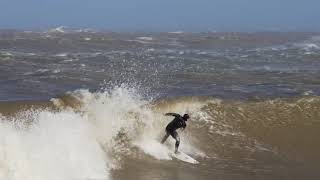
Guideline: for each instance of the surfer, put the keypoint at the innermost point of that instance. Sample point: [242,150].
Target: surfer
[178,122]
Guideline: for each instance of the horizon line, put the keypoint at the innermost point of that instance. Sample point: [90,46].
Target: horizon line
[69,29]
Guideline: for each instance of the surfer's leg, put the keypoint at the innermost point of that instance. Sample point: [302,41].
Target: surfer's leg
[165,137]
[175,135]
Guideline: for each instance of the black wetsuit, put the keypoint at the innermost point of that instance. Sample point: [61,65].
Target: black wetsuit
[176,123]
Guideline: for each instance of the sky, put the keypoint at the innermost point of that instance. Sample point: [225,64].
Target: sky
[163,15]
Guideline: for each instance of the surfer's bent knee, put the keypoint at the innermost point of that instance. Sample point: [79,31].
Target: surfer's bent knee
[177,143]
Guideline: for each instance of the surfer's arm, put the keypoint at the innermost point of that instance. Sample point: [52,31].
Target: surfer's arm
[172,114]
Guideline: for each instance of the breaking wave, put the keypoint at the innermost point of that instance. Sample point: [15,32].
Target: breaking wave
[85,135]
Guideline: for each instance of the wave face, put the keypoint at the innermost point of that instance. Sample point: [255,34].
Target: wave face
[114,134]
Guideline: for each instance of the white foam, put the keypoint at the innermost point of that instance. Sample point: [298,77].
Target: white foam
[57,102]
[145,38]
[309,53]
[139,41]
[154,149]
[42,70]
[181,52]
[60,29]
[311,45]
[202,53]
[57,146]
[164,151]
[176,32]
[70,60]
[308,46]
[87,30]
[307,93]
[150,50]
[6,53]
[56,71]
[61,55]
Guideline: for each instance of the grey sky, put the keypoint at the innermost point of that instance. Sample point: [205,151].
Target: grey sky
[163,15]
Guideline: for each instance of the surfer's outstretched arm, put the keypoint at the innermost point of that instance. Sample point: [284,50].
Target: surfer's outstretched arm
[172,114]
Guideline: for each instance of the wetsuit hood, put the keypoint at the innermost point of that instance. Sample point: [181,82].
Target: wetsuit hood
[186,117]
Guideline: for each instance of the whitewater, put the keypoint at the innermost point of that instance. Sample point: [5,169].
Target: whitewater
[83,141]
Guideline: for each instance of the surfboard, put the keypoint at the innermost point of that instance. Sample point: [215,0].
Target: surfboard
[163,152]
[184,157]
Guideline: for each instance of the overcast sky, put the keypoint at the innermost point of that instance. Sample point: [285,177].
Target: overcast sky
[163,15]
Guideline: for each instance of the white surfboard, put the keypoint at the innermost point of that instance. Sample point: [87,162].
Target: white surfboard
[184,157]
[162,152]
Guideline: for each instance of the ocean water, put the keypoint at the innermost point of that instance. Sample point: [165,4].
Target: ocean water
[84,104]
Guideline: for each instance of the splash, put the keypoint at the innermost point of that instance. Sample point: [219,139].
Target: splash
[46,145]
[85,137]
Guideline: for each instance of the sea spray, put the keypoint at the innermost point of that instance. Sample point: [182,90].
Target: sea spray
[57,145]
[86,136]
[123,113]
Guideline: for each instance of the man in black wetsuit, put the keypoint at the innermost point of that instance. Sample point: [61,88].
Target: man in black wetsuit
[176,123]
